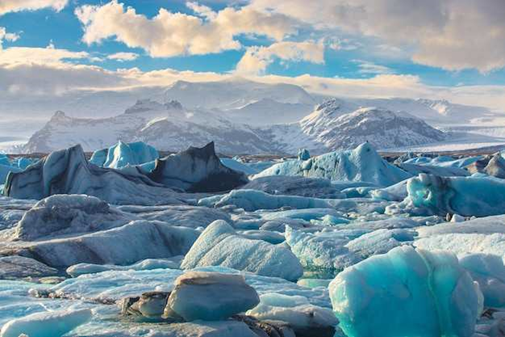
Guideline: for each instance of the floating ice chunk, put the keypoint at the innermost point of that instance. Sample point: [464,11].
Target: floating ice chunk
[362,164]
[337,250]
[152,239]
[68,214]
[46,324]
[251,200]
[239,166]
[295,185]
[19,267]
[211,296]
[467,196]
[489,272]
[5,170]
[487,225]
[303,154]
[178,215]
[295,310]
[149,264]
[396,192]
[435,170]
[406,292]
[220,245]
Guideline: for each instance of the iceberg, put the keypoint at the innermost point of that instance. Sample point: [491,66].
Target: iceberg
[466,196]
[220,245]
[152,240]
[124,154]
[196,170]
[210,296]
[68,214]
[68,172]
[363,164]
[406,292]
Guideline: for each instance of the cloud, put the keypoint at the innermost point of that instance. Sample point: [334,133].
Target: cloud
[121,57]
[449,34]
[257,59]
[4,36]
[24,55]
[7,6]
[170,34]
[370,68]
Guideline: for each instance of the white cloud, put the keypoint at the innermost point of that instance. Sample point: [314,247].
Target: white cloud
[4,36]
[171,34]
[257,59]
[121,57]
[450,34]
[24,55]
[7,6]
[370,68]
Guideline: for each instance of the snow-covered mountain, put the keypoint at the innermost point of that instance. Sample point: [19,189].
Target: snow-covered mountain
[166,126]
[335,124]
[330,126]
[234,94]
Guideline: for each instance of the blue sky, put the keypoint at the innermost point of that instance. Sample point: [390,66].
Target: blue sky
[432,44]
[63,29]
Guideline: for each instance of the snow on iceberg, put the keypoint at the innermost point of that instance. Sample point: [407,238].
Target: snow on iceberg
[466,196]
[220,245]
[46,324]
[210,296]
[406,292]
[124,154]
[196,170]
[362,164]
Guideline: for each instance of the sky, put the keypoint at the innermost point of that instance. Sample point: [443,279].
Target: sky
[441,49]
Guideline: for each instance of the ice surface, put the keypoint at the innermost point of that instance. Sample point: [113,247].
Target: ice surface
[406,292]
[467,196]
[220,245]
[362,164]
[211,296]
[46,324]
